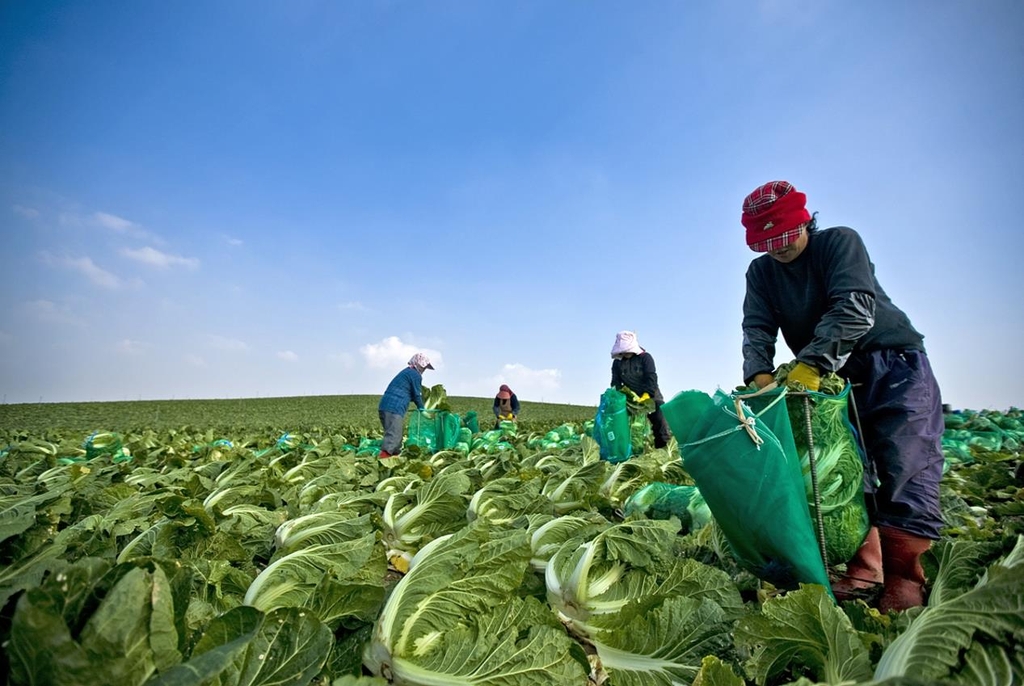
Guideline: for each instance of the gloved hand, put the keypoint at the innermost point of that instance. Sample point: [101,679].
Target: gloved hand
[805,374]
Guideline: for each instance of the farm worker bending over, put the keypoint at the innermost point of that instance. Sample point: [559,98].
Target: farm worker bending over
[819,288]
[633,367]
[403,389]
[506,405]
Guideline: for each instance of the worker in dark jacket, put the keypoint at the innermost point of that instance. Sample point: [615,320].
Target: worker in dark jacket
[506,406]
[633,367]
[818,288]
[405,388]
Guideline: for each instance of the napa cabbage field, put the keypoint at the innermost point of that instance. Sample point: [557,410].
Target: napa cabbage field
[232,549]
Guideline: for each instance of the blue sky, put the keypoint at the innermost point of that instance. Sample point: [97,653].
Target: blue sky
[240,199]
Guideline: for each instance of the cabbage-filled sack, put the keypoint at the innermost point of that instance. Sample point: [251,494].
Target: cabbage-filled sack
[839,464]
[422,431]
[747,469]
[659,500]
[433,430]
[611,427]
[447,429]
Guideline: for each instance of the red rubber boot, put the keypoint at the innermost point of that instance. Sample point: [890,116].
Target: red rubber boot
[904,577]
[863,572]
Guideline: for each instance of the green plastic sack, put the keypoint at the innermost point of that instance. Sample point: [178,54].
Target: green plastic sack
[422,431]
[640,433]
[471,422]
[433,430]
[106,443]
[659,500]
[508,428]
[748,471]
[611,427]
[643,501]
[448,426]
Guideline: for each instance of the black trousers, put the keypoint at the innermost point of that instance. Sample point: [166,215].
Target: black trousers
[659,426]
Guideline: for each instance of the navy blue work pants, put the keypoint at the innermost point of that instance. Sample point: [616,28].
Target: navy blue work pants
[900,409]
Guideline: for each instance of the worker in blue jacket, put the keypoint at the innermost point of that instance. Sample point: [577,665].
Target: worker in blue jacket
[403,389]
[818,287]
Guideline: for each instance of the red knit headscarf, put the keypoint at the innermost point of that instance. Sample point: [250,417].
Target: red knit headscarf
[772,210]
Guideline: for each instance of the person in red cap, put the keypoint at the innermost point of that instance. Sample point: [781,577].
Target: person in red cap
[506,406]
[818,287]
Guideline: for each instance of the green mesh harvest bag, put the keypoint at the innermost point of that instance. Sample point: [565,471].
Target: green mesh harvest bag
[433,430]
[422,431]
[448,426]
[747,468]
[611,427]
[839,467]
[471,422]
[659,500]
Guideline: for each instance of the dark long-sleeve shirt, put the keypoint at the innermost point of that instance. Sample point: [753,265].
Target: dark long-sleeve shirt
[827,303]
[639,374]
[403,389]
[513,405]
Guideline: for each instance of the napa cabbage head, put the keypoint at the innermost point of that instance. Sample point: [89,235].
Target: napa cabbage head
[456,618]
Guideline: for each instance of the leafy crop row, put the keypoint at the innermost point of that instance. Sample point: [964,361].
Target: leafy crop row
[183,556]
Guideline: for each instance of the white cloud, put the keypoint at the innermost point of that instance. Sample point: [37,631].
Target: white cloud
[86,267]
[113,222]
[195,361]
[287,355]
[156,258]
[26,212]
[50,313]
[228,344]
[130,347]
[234,242]
[392,352]
[352,306]
[526,382]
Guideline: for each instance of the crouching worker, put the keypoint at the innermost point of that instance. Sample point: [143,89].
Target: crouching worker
[405,388]
[819,288]
[506,406]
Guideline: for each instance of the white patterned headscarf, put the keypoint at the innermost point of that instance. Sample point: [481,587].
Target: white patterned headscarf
[420,362]
[625,342]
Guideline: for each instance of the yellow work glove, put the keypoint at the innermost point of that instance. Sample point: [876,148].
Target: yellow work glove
[805,374]
[644,398]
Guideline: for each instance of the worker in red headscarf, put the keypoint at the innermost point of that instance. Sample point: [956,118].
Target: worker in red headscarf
[818,287]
